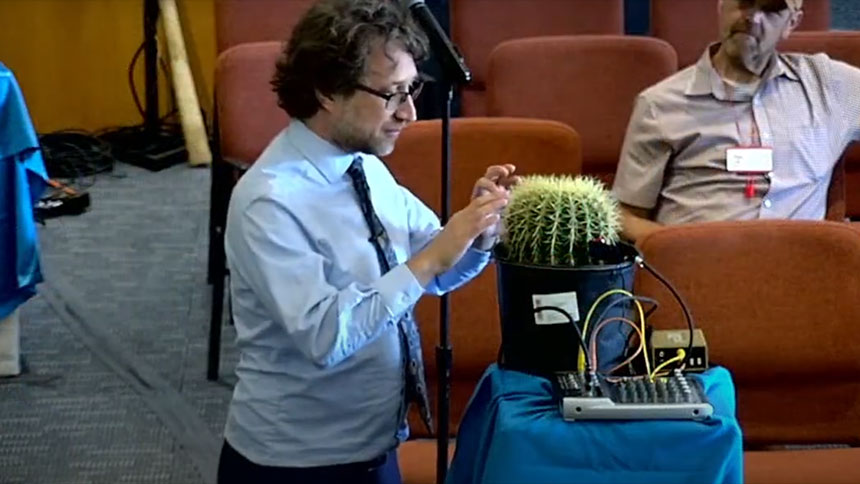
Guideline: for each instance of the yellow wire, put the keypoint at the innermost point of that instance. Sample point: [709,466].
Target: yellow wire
[678,357]
[581,359]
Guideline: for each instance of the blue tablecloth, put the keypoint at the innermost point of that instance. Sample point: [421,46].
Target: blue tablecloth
[22,181]
[512,432]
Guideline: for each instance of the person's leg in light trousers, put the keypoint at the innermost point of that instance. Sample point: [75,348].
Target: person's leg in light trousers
[10,340]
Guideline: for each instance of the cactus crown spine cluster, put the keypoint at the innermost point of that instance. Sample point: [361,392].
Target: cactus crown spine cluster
[551,220]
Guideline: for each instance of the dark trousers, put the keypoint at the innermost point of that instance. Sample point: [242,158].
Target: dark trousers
[234,468]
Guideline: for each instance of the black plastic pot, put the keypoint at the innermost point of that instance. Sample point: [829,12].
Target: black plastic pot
[545,343]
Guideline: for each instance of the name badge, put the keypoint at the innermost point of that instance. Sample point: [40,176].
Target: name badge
[749,160]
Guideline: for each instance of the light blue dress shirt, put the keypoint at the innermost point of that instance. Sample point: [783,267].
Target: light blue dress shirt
[321,375]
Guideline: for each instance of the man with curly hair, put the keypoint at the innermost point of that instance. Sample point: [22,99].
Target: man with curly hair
[328,255]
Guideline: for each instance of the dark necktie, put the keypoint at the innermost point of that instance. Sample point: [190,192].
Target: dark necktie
[416,388]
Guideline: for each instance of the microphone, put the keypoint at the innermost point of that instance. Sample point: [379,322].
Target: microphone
[453,65]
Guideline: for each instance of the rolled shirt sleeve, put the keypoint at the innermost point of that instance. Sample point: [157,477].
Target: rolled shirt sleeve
[290,274]
[424,226]
[291,278]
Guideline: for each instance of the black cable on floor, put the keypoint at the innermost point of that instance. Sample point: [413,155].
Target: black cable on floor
[75,154]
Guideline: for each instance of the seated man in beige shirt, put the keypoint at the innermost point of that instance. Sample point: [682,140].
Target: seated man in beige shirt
[686,155]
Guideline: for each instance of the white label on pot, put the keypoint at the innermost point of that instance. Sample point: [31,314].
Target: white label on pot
[563,300]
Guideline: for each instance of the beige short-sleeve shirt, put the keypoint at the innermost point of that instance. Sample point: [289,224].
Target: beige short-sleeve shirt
[807,108]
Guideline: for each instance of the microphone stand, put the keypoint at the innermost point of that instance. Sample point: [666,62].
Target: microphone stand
[444,352]
[453,71]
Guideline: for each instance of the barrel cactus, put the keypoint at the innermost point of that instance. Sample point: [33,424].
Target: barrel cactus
[553,221]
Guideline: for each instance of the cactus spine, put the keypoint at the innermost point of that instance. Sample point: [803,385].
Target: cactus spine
[551,220]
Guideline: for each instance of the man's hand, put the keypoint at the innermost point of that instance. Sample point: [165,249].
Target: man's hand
[498,179]
[636,223]
[458,234]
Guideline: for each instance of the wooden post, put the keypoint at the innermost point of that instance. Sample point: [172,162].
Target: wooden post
[193,128]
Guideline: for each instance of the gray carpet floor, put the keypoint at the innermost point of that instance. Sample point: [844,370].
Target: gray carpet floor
[115,344]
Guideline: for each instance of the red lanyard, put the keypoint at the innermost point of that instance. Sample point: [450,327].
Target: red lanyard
[749,189]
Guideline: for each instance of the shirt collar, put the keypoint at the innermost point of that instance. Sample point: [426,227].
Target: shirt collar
[706,79]
[331,161]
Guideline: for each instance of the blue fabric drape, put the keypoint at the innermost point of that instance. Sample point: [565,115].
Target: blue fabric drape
[22,181]
[513,432]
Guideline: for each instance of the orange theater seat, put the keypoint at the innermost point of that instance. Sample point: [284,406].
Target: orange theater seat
[247,116]
[241,21]
[776,300]
[690,25]
[417,459]
[818,466]
[587,82]
[478,26]
[248,112]
[535,146]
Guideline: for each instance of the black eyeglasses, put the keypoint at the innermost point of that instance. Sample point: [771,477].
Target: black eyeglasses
[394,100]
[766,6]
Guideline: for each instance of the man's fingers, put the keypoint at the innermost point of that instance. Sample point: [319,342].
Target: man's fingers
[510,181]
[495,206]
[489,208]
[496,172]
[492,198]
[484,223]
[497,177]
[487,185]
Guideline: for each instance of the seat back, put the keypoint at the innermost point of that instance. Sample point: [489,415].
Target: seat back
[691,25]
[478,26]
[247,108]
[534,146]
[587,82]
[843,46]
[241,21]
[777,303]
